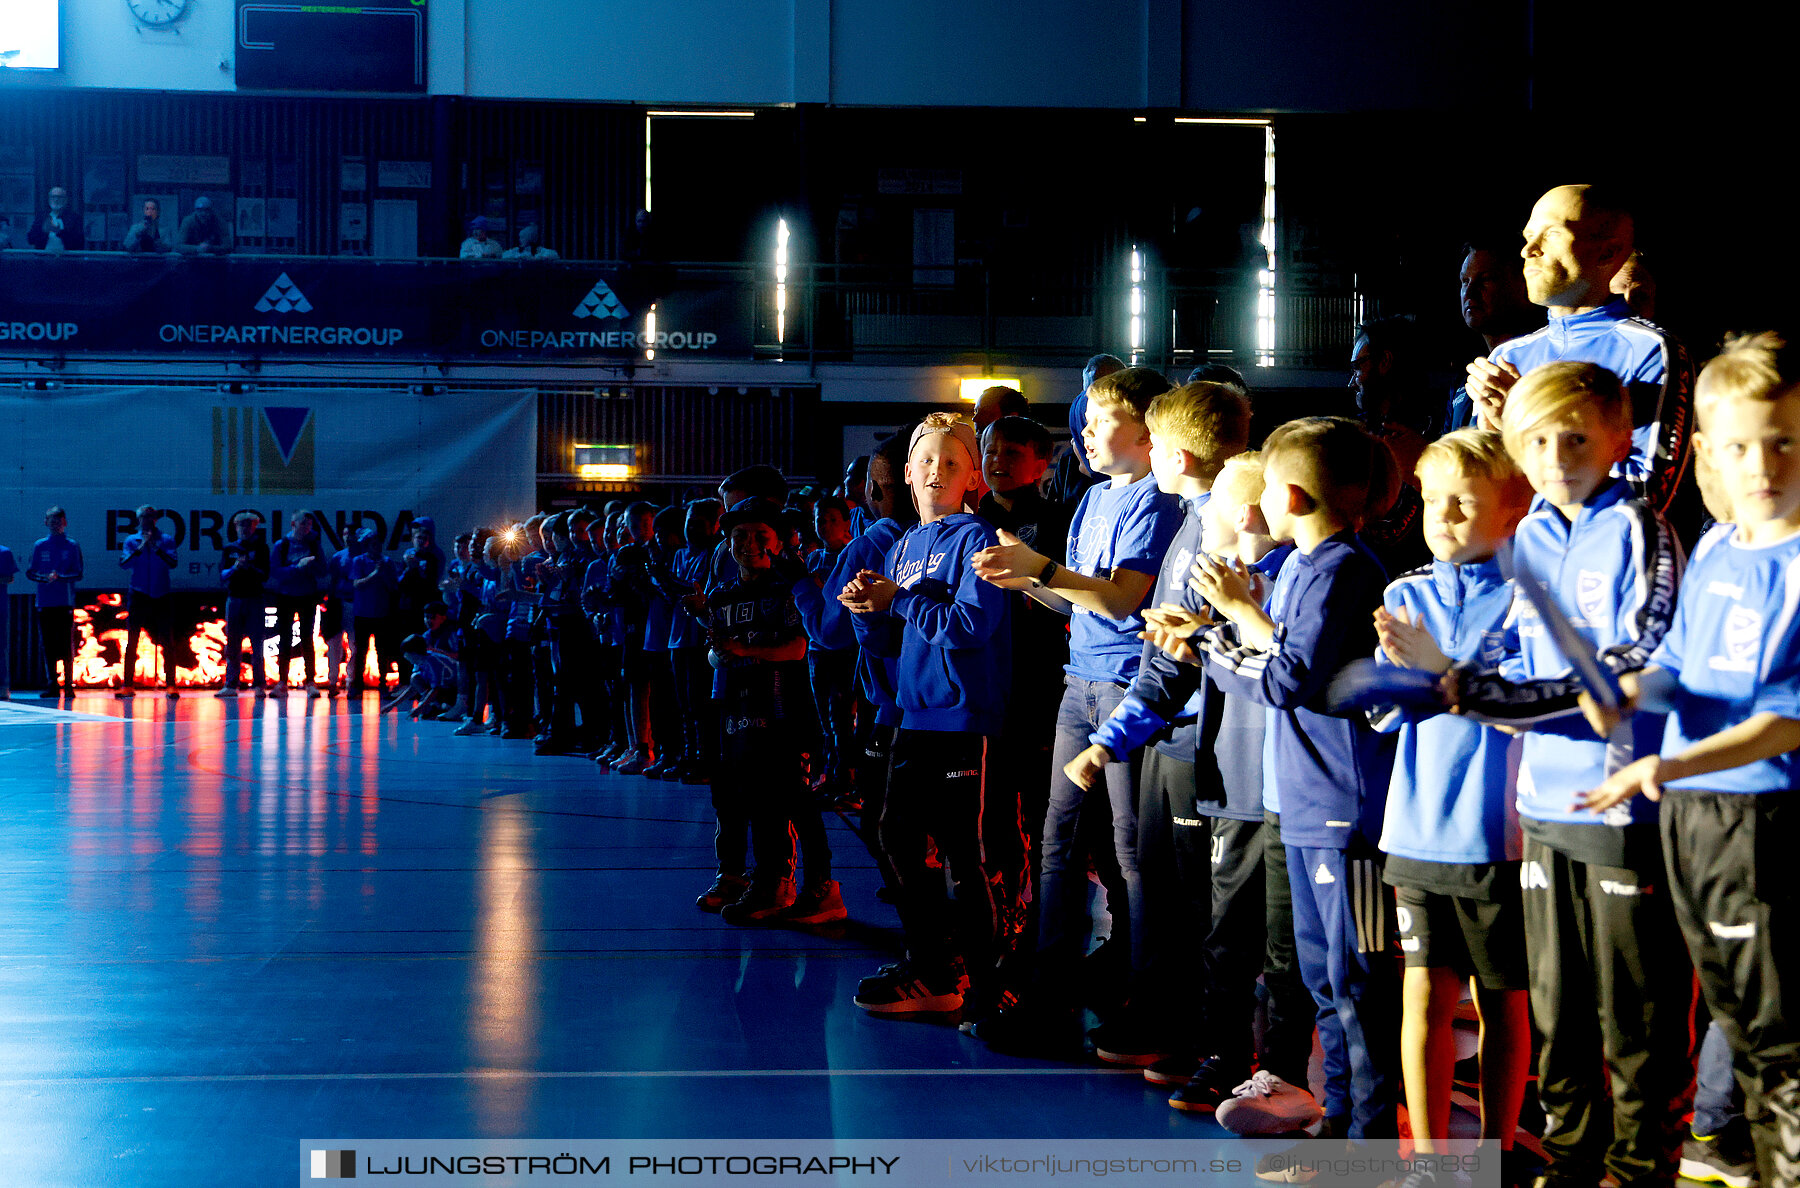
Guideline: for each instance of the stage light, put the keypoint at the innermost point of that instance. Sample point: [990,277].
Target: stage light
[972,387]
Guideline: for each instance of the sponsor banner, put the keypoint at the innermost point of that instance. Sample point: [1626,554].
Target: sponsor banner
[1164,1163]
[357,458]
[272,307]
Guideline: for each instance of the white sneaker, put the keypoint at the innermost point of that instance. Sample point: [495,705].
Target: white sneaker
[1266,1104]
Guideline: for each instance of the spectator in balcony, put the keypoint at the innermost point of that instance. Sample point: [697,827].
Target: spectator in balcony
[479,245]
[643,244]
[145,238]
[1495,306]
[996,402]
[203,232]
[56,229]
[531,246]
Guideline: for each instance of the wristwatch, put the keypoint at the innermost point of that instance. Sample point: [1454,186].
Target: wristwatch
[1044,576]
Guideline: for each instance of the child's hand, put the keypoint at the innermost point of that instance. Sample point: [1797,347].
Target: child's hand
[1168,627]
[1086,767]
[1623,784]
[1011,564]
[869,592]
[1406,642]
[1225,584]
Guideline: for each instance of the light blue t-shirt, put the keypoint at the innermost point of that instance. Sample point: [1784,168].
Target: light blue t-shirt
[1116,527]
[1735,647]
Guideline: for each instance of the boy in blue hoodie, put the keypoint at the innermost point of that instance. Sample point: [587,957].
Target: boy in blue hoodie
[1599,927]
[950,632]
[1324,477]
[1728,673]
[149,553]
[1451,834]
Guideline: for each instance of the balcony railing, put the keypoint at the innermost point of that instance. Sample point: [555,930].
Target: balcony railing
[356,309]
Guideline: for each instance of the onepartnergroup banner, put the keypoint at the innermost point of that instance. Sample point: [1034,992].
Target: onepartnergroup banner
[965,1163]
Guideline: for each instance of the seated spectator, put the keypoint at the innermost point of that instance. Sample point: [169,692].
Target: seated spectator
[203,233]
[530,246]
[56,230]
[146,237]
[478,246]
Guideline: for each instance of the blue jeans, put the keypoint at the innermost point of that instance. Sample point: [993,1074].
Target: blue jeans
[1063,920]
[1718,1101]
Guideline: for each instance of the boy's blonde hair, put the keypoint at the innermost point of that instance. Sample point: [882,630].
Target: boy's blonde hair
[1557,389]
[1342,467]
[1240,480]
[1479,453]
[1747,367]
[1210,421]
[1132,388]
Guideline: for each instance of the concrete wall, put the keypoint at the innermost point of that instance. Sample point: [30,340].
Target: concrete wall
[1212,55]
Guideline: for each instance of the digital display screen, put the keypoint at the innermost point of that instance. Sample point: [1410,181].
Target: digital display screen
[31,34]
[376,45]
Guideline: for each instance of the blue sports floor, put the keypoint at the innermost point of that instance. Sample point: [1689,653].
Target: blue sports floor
[229,925]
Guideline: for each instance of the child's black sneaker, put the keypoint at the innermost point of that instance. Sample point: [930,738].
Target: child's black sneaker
[913,989]
[1034,1029]
[726,889]
[1130,1039]
[1172,1070]
[759,903]
[1715,1159]
[1205,1091]
[822,903]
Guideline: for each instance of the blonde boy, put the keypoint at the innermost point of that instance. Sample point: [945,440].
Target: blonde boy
[1451,835]
[1599,931]
[1728,671]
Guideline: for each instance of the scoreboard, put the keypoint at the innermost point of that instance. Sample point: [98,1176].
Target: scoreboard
[375,45]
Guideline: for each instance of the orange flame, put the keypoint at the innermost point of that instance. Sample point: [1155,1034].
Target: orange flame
[100,652]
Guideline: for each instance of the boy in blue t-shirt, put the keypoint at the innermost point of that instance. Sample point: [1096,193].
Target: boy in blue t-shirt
[1728,674]
[1116,545]
[1193,430]
[1324,477]
[1599,929]
[1451,834]
[55,567]
[150,555]
[949,633]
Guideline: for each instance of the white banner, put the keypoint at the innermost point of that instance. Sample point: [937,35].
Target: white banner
[356,457]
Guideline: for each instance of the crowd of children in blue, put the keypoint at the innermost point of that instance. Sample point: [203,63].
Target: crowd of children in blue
[1354,856]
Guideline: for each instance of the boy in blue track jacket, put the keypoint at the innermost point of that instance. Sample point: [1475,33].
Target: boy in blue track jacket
[1599,928]
[1728,672]
[1323,478]
[1193,430]
[950,632]
[1251,929]
[1451,835]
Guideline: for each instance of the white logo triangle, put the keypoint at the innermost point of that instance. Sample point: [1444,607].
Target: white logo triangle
[284,296]
[602,302]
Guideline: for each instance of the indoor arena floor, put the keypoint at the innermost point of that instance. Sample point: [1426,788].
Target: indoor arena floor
[230,925]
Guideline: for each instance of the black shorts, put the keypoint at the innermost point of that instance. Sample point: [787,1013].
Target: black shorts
[1478,938]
